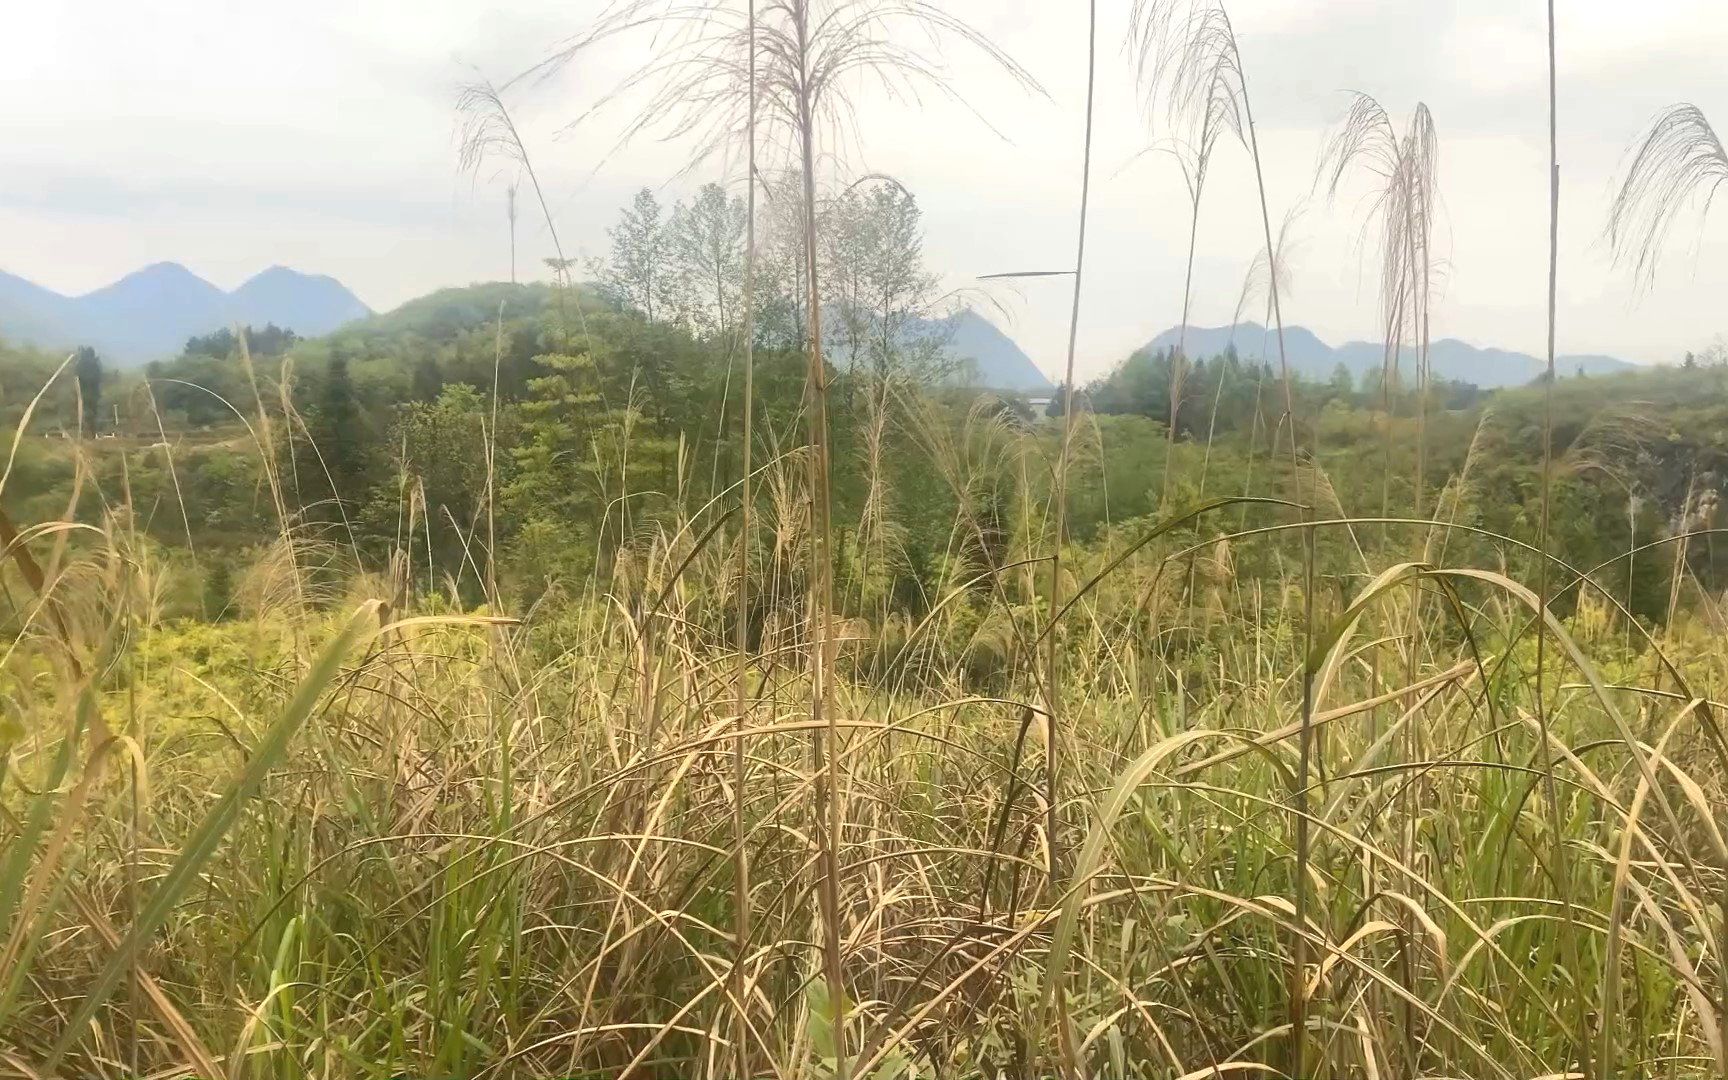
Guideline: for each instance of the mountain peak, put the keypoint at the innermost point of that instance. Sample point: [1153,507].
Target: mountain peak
[998,362]
[292,299]
[163,271]
[279,272]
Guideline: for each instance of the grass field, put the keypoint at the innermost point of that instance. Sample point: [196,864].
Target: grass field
[337,836]
[1245,783]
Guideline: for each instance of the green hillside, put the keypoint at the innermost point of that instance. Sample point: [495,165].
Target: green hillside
[607,425]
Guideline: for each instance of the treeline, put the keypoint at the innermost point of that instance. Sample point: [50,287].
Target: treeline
[545,430]
[1224,393]
[573,419]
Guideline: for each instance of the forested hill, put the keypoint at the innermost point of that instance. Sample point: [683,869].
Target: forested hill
[392,417]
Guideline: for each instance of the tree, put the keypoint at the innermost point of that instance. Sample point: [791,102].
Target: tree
[881,294]
[427,380]
[639,276]
[706,248]
[781,316]
[87,366]
[442,443]
[1342,385]
[272,340]
[339,431]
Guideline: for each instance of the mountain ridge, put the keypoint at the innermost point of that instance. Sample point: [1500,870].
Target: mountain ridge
[997,361]
[987,358]
[149,313]
[1488,367]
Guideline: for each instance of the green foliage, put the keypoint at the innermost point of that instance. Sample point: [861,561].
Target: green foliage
[608,424]
[87,369]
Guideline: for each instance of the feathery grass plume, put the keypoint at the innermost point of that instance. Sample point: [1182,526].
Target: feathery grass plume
[1402,205]
[488,132]
[1677,168]
[1203,98]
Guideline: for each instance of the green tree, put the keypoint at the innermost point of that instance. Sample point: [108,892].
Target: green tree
[639,276]
[1342,386]
[781,300]
[87,367]
[340,430]
[272,340]
[883,298]
[427,379]
[706,248]
[443,447]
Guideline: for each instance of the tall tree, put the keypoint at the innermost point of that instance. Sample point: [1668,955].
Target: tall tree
[883,299]
[706,251]
[1343,384]
[88,368]
[639,274]
[781,300]
[426,380]
[339,430]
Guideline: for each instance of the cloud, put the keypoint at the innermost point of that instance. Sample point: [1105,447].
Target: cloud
[231,136]
[121,199]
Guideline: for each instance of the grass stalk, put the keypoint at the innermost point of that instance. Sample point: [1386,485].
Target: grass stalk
[746,331]
[1562,861]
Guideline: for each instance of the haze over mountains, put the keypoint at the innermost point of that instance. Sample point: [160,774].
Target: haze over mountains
[996,360]
[149,314]
[1448,358]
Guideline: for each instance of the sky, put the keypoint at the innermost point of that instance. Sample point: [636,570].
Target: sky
[322,135]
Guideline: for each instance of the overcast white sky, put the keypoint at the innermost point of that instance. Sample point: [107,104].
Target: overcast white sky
[233,134]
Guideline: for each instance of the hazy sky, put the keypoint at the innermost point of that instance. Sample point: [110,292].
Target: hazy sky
[320,134]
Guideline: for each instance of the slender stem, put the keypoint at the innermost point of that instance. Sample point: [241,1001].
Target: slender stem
[510,210]
[491,581]
[1052,651]
[1305,752]
[1179,359]
[1550,789]
[740,856]
[822,714]
[1052,654]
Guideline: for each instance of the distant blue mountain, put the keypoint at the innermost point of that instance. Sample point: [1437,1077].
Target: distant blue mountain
[149,314]
[994,360]
[308,304]
[29,313]
[1448,358]
[982,355]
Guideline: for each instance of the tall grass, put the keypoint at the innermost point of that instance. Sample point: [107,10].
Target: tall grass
[701,818]
[406,892]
